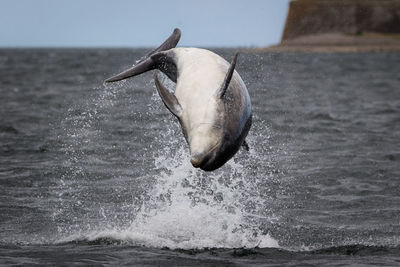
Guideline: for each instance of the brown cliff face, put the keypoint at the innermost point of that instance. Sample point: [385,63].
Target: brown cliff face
[308,17]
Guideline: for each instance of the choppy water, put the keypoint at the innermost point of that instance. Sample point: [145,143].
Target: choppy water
[95,174]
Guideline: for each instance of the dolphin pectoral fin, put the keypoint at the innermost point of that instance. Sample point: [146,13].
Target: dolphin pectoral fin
[169,99]
[148,62]
[221,92]
[246,145]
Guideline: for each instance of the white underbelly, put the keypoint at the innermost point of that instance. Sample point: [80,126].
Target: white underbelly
[201,73]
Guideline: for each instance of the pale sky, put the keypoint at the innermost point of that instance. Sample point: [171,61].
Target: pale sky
[145,23]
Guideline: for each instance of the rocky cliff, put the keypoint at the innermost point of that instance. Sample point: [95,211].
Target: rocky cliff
[341,26]
[308,17]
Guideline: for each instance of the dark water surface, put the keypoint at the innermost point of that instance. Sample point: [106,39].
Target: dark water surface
[95,174]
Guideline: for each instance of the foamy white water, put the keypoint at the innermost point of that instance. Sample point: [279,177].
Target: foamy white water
[187,209]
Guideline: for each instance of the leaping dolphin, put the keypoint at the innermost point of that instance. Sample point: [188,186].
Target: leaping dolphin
[210,101]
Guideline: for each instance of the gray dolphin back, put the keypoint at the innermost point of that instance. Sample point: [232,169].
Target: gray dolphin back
[150,61]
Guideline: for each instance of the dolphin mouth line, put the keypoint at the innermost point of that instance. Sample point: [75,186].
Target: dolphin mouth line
[214,147]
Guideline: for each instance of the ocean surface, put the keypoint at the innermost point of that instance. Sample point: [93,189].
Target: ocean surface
[95,174]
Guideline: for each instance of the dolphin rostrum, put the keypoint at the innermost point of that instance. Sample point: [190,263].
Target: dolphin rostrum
[210,101]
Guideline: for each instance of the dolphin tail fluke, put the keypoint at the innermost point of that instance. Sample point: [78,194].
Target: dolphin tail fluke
[147,63]
[221,92]
[169,99]
[171,42]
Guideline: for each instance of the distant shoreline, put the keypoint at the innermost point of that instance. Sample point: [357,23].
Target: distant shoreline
[338,42]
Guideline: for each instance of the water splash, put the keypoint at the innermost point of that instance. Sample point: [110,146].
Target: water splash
[187,208]
[190,209]
[179,206]
[79,132]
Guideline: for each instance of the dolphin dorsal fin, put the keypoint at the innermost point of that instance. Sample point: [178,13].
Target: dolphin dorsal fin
[169,99]
[221,92]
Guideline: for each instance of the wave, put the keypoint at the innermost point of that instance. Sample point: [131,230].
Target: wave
[8,129]
[359,250]
[163,239]
[110,238]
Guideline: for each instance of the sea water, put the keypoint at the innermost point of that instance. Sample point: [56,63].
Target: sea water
[100,174]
